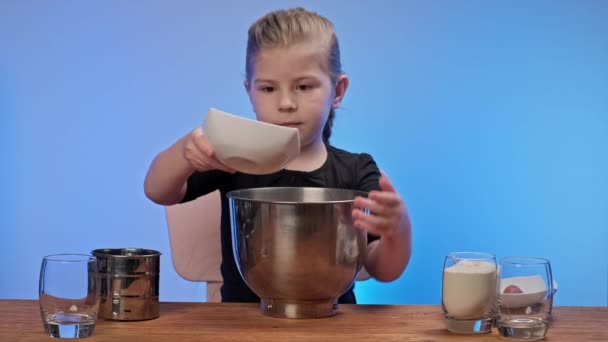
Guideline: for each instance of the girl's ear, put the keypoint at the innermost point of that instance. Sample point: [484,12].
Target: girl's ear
[246,85]
[340,90]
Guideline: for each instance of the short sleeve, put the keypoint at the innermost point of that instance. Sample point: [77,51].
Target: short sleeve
[368,178]
[202,183]
[368,174]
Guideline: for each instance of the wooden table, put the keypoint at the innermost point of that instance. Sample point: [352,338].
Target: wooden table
[186,322]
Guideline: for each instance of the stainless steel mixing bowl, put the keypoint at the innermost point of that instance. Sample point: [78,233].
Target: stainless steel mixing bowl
[297,248]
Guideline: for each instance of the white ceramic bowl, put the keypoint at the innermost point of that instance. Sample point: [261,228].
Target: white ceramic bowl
[533,288]
[250,146]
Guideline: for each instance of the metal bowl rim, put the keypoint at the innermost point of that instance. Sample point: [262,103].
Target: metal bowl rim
[234,194]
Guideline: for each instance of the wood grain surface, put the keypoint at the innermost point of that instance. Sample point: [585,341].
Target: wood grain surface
[185,322]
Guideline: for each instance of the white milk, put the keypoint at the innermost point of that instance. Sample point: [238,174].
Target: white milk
[469,289]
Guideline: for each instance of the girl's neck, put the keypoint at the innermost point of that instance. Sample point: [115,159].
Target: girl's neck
[311,157]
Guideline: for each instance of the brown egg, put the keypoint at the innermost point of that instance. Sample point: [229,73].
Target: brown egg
[512,289]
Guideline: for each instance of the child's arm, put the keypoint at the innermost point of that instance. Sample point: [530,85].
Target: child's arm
[388,256]
[167,176]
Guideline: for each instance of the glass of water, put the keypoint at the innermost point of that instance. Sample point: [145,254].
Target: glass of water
[69,295]
[525,298]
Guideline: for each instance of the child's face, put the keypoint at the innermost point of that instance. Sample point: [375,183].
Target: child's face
[292,87]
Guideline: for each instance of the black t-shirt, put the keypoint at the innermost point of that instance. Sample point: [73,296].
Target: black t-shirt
[342,170]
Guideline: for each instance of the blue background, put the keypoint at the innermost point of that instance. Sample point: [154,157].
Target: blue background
[491,118]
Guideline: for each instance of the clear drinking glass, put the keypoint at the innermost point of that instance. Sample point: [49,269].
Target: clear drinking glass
[525,298]
[69,295]
[469,292]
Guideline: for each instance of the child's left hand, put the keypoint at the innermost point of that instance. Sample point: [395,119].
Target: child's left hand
[388,216]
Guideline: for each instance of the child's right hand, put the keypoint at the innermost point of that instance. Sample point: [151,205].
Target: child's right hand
[199,153]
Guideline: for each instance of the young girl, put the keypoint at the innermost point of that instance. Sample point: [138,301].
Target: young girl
[293,78]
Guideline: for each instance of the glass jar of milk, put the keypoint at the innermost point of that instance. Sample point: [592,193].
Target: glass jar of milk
[469,292]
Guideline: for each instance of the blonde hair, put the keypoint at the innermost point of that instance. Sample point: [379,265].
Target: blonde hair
[283,28]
